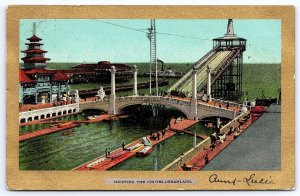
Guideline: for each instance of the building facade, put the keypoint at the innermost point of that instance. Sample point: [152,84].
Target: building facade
[38,84]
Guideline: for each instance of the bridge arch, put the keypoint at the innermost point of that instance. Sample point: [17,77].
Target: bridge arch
[119,109]
[121,104]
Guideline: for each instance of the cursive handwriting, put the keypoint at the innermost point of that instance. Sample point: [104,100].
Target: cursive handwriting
[252,179]
[215,179]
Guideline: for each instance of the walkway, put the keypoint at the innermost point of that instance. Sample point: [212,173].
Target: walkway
[63,126]
[50,130]
[198,162]
[259,148]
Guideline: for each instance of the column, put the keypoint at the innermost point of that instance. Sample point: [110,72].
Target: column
[135,93]
[36,95]
[208,83]
[155,163]
[194,139]
[193,109]
[112,101]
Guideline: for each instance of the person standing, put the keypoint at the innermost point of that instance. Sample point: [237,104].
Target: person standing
[106,152]
[123,146]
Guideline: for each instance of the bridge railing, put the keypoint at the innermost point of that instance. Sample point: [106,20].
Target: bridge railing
[155,98]
[230,103]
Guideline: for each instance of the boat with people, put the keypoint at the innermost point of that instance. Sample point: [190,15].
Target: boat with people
[144,152]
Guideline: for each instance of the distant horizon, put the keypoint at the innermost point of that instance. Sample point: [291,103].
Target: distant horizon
[125,40]
[264,63]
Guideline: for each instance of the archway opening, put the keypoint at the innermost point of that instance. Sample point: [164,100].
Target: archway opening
[150,116]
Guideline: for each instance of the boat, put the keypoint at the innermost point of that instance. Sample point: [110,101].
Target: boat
[144,152]
[96,162]
[66,125]
[116,155]
[131,148]
[146,141]
[93,117]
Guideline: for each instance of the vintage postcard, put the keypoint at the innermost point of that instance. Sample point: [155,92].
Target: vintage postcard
[150,98]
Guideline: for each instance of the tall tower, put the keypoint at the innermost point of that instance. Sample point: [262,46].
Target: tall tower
[230,31]
[227,84]
[34,55]
[153,58]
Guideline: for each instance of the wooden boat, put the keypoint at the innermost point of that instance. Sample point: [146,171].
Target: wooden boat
[131,148]
[144,152]
[146,141]
[93,117]
[116,155]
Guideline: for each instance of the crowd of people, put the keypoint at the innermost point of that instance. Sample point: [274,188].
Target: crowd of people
[158,135]
[178,93]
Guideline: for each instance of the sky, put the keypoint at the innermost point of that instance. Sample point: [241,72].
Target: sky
[90,40]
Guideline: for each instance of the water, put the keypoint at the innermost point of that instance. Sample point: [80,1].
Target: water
[166,152]
[70,148]
[200,129]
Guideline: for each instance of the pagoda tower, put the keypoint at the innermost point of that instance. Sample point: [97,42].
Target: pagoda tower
[34,55]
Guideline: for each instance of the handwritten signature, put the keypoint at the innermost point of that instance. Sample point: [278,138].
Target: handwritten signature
[250,180]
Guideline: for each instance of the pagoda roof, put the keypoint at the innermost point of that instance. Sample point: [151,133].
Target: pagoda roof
[39,71]
[59,76]
[23,78]
[34,43]
[36,58]
[34,38]
[34,51]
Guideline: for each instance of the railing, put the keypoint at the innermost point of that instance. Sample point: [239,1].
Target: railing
[230,103]
[226,62]
[199,62]
[187,156]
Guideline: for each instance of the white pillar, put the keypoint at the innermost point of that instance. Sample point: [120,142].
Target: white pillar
[193,109]
[112,102]
[155,163]
[194,139]
[135,93]
[208,83]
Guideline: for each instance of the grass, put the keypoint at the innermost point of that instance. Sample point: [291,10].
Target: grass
[261,80]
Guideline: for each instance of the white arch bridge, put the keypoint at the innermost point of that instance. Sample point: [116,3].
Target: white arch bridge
[186,106]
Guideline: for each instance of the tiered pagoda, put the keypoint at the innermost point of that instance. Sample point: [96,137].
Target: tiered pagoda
[38,84]
[34,55]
